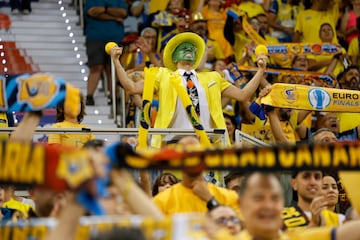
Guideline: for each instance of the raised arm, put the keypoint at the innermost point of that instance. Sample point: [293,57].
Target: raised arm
[138,201]
[26,128]
[130,86]
[275,125]
[248,91]
[68,221]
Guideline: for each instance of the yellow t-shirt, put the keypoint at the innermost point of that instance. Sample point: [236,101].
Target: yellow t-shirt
[74,140]
[252,9]
[348,121]
[216,24]
[308,23]
[240,42]
[323,233]
[4,123]
[295,218]
[354,50]
[13,204]
[216,49]
[180,199]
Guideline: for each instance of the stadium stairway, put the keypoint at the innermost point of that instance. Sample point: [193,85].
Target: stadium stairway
[53,39]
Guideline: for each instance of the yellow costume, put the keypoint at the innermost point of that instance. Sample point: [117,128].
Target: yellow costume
[74,140]
[212,83]
[180,199]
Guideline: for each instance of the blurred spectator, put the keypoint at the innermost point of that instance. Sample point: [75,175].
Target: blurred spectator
[225,217]
[251,7]
[354,49]
[140,8]
[104,23]
[131,56]
[149,35]
[348,21]
[213,50]
[234,34]
[264,28]
[163,182]
[64,120]
[165,21]
[307,185]
[282,18]
[323,135]
[321,63]
[308,22]
[197,195]
[351,214]
[233,180]
[12,201]
[330,191]
[331,121]
[182,21]
[350,78]
[121,233]
[20,6]
[131,22]
[230,126]
[215,14]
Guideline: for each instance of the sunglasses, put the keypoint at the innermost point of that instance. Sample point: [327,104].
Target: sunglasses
[225,221]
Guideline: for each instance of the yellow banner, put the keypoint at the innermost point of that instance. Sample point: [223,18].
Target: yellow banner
[312,98]
[342,155]
[295,77]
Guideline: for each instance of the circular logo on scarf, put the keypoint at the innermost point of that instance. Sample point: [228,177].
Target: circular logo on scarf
[319,98]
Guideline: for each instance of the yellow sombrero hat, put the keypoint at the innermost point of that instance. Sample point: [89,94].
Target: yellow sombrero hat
[174,42]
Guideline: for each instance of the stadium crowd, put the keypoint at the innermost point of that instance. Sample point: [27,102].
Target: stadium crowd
[208,53]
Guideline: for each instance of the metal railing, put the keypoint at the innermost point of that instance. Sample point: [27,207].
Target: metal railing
[123,131]
[239,136]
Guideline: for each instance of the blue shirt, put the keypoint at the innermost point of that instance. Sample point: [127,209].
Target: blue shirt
[104,30]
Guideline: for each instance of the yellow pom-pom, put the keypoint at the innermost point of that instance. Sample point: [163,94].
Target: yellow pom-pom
[109,46]
[261,49]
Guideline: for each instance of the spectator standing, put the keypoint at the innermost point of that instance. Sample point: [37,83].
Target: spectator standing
[104,23]
[282,18]
[308,22]
[349,20]
[215,15]
[20,6]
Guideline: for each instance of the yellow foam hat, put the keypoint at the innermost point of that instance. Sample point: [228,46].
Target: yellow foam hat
[188,37]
